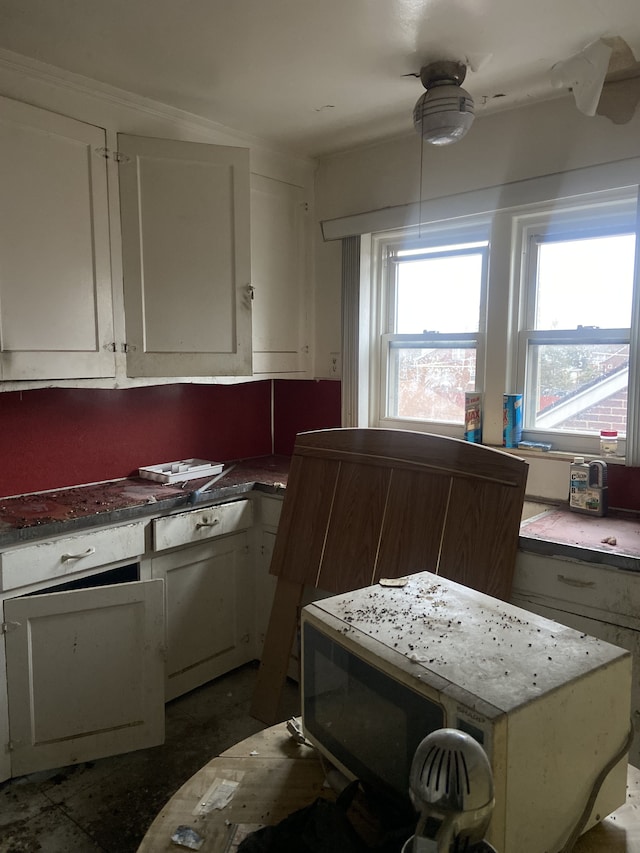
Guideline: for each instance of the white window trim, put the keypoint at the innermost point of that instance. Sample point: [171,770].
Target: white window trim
[382,249]
[558,188]
[618,210]
[502,317]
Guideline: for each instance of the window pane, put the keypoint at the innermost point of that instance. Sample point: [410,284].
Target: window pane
[439,294]
[430,383]
[585,282]
[578,387]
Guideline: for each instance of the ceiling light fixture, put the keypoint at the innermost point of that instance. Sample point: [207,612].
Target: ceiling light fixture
[445,112]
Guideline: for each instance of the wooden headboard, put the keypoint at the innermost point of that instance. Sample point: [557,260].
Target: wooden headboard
[363,504]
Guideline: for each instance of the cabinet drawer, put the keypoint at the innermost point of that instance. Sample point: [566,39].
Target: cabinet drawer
[581,584]
[172,531]
[44,561]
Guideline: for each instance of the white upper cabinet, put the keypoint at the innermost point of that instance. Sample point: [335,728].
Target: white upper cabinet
[216,261]
[186,257]
[56,317]
[280,259]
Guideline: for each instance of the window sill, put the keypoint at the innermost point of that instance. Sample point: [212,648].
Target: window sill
[559,455]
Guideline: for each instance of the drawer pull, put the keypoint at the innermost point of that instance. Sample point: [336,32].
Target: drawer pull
[576,582]
[65,557]
[205,523]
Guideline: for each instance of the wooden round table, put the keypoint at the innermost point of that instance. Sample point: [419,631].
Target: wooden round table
[277,776]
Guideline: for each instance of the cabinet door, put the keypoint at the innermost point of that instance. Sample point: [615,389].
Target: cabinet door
[186,257]
[55,279]
[279,259]
[209,605]
[265,586]
[265,583]
[85,674]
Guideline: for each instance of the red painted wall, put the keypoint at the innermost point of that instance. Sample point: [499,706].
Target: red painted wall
[300,405]
[55,437]
[624,487]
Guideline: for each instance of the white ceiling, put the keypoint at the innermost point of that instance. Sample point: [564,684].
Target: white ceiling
[312,75]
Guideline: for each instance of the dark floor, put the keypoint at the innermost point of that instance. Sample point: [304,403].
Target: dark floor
[106,806]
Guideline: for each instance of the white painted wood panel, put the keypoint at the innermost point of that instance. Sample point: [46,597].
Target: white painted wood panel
[186,257]
[599,600]
[279,259]
[264,582]
[85,674]
[589,588]
[55,278]
[184,528]
[5,758]
[209,606]
[265,588]
[66,555]
[270,509]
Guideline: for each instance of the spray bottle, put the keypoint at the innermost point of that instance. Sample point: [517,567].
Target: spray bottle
[588,486]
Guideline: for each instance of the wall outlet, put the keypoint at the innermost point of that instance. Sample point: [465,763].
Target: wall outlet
[335,365]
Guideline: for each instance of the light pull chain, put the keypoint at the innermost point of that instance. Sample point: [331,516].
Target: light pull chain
[421,171]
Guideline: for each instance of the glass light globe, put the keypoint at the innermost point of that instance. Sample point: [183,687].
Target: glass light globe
[443,114]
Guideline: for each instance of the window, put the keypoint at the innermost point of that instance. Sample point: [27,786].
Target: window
[433,300]
[537,301]
[575,324]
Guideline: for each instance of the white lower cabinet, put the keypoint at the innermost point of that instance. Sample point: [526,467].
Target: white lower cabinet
[204,558]
[101,627]
[209,610]
[596,599]
[265,583]
[84,674]
[82,650]
[265,589]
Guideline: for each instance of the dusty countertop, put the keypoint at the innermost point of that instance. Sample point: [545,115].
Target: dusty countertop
[613,539]
[44,514]
[548,531]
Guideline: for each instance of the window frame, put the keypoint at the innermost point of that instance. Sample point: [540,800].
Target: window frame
[498,371]
[610,214]
[441,239]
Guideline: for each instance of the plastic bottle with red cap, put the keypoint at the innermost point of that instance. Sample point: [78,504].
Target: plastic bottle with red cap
[608,442]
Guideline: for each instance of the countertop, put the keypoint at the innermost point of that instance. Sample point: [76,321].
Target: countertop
[45,514]
[41,515]
[612,540]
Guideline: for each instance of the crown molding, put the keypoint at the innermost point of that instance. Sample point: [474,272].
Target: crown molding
[78,84]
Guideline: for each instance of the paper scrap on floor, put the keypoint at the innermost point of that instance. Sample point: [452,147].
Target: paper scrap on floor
[219,795]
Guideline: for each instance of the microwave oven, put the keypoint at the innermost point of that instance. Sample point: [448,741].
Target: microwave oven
[384,666]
